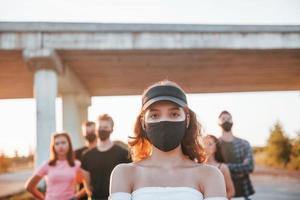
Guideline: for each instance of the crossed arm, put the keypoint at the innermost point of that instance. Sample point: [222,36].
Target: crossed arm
[247,165]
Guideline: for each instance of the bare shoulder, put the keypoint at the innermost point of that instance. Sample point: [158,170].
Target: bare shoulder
[209,170]
[123,170]
[121,178]
[224,168]
[206,173]
[212,181]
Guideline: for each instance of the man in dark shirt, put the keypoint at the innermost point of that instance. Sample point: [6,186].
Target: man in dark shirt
[237,154]
[89,133]
[100,161]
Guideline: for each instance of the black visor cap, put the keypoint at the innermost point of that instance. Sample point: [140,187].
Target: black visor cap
[164,93]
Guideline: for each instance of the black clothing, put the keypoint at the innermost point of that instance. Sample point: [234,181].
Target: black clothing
[100,165]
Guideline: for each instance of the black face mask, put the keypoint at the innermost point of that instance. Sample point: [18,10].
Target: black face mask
[226,126]
[103,134]
[91,137]
[166,135]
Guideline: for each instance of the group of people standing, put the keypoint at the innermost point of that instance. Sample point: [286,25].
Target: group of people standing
[169,158]
[233,156]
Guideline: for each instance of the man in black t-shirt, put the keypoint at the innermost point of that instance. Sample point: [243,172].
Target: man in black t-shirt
[89,133]
[100,161]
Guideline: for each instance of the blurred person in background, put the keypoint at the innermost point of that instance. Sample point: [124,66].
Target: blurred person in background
[236,153]
[62,172]
[213,152]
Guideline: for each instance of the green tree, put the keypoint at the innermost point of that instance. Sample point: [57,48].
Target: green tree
[278,147]
[4,162]
[295,154]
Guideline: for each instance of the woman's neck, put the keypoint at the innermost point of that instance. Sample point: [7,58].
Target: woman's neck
[62,157]
[168,159]
[211,160]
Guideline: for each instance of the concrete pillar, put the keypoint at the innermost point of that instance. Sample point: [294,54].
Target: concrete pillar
[50,79]
[45,92]
[74,113]
[75,103]
[84,112]
[83,115]
[46,66]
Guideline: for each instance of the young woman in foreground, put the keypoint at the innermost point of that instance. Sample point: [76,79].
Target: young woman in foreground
[62,172]
[167,153]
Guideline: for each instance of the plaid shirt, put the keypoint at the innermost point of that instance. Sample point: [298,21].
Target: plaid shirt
[243,166]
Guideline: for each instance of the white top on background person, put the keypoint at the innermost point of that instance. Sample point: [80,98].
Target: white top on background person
[167,151]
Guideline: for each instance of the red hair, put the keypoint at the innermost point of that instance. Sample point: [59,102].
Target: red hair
[191,144]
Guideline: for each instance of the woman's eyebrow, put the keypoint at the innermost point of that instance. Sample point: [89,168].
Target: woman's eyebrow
[174,108]
[153,109]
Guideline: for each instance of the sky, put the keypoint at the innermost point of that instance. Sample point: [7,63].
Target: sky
[253,113]
[154,11]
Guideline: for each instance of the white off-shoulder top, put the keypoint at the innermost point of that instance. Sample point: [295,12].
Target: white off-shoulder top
[163,193]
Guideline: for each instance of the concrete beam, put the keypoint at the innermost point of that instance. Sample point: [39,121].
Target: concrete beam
[153,28]
[145,40]
[42,59]
[149,41]
[75,36]
[13,41]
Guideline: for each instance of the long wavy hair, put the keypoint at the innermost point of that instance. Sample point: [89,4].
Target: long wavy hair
[218,153]
[53,154]
[191,143]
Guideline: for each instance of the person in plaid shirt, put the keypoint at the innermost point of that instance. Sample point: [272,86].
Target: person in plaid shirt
[237,154]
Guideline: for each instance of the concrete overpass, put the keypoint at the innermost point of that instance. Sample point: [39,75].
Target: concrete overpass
[80,60]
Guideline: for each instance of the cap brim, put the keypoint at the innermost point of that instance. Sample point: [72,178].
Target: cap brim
[164,98]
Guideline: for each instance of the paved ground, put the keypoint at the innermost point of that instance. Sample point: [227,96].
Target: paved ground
[12,183]
[268,186]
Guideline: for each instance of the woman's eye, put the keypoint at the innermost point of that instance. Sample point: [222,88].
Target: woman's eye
[174,115]
[153,116]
